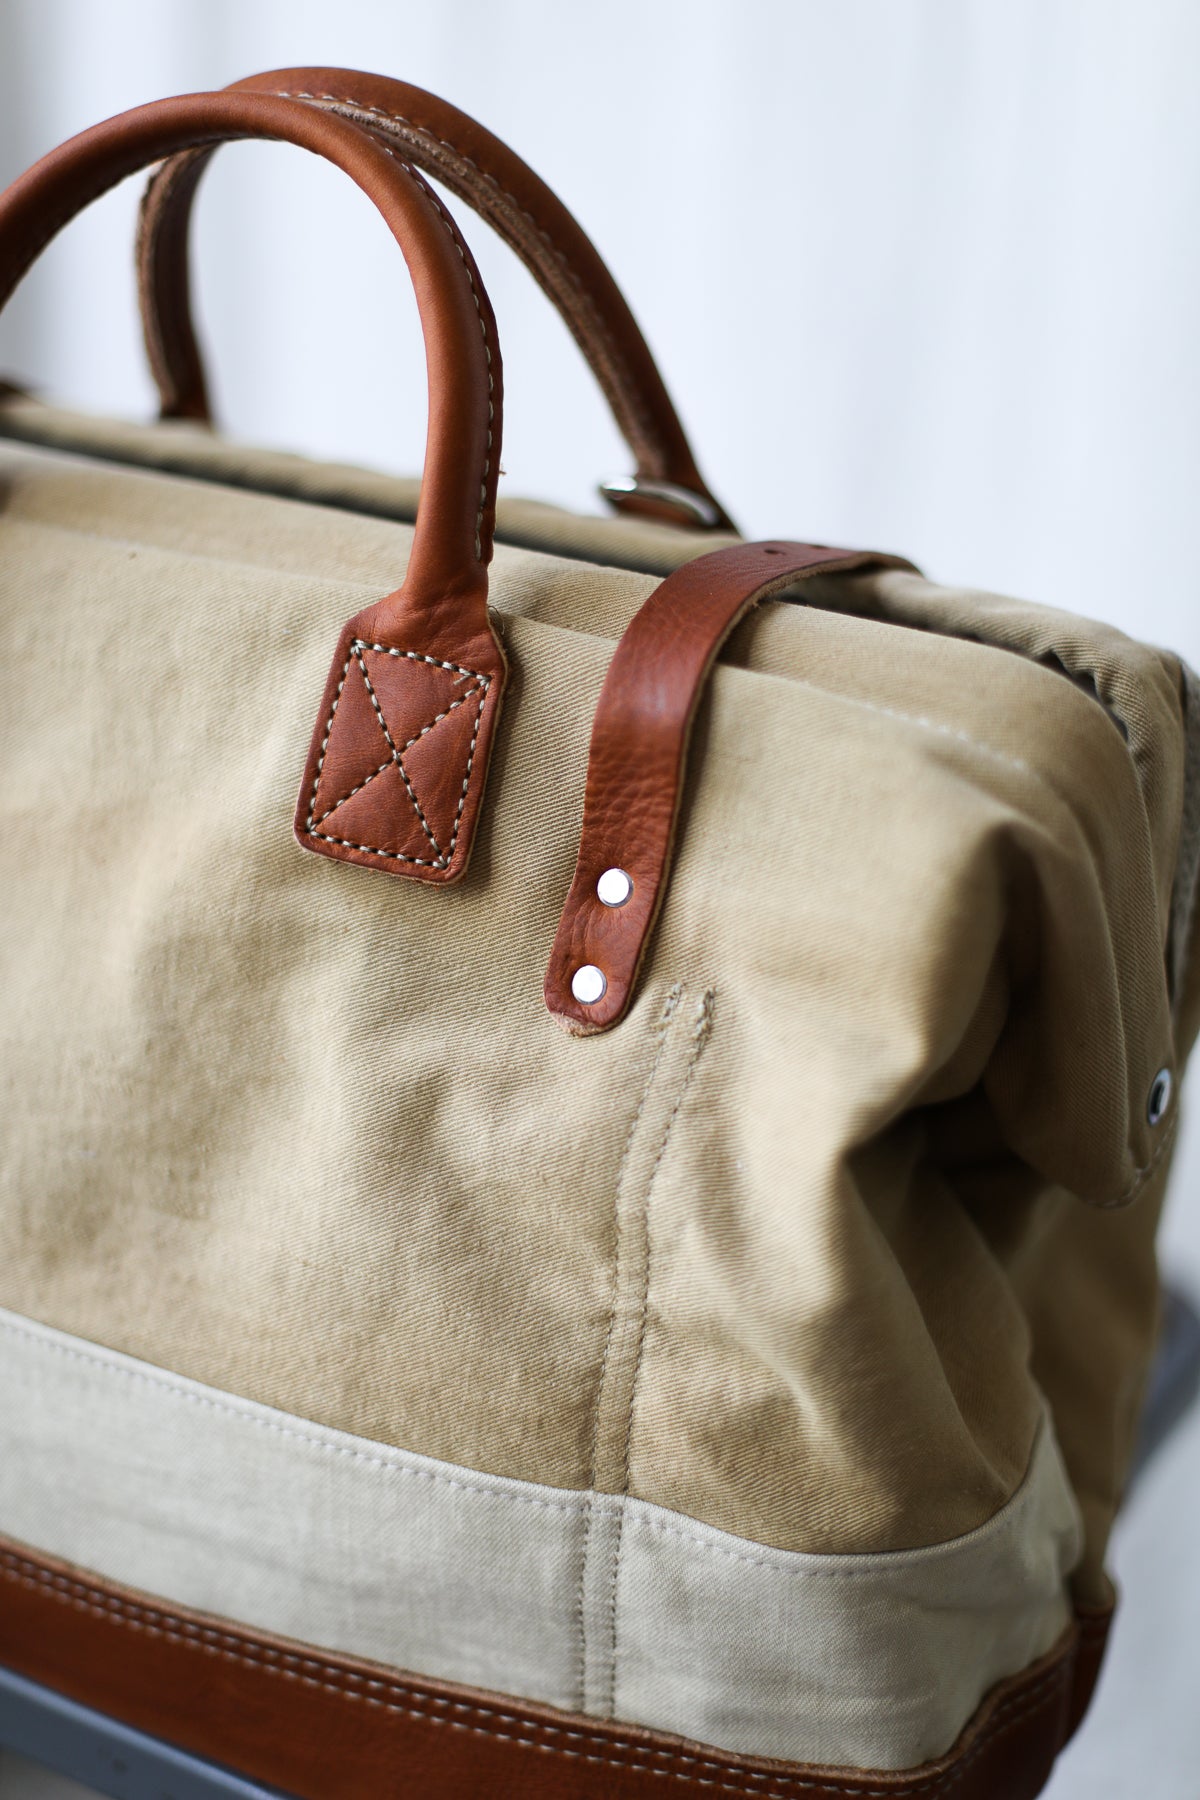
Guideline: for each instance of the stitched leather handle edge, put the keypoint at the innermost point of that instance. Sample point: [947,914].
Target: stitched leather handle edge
[480,169]
[434,633]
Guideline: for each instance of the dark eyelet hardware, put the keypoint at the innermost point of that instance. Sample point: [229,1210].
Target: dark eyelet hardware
[1160,1096]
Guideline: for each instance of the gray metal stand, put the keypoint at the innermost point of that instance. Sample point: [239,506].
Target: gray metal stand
[107,1757]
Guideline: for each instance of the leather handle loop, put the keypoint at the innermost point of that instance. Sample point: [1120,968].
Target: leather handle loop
[426,653]
[453,538]
[638,760]
[484,172]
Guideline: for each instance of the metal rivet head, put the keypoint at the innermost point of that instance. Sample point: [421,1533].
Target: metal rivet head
[614,887]
[1160,1096]
[588,984]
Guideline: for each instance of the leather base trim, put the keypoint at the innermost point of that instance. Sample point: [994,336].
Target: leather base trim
[206,1499]
[320,1725]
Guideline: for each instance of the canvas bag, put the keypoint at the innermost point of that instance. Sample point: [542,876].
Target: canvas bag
[400,1393]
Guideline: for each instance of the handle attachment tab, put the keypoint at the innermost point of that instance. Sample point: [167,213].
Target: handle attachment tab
[638,760]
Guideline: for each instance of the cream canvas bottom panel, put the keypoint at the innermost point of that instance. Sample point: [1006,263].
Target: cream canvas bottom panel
[220,1504]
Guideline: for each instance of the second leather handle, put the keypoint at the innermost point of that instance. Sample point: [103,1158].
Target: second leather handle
[503,189]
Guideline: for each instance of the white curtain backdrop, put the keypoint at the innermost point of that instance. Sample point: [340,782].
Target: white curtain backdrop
[921,274]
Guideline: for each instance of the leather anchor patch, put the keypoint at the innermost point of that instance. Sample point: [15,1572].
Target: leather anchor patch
[394,761]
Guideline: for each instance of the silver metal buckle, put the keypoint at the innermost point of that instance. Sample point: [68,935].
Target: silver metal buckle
[696,508]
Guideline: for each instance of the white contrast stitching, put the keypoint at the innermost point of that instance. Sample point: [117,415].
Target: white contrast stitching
[487,351]
[163,1382]
[312,799]
[662,1529]
[391,743]
[435,662]
[423,862]
[330,810]
[435,1709]
[441,859]
[456,240]
[669,1006]
[934,725]
[700,1035]
[454,705]
[466,781]
[589,1499]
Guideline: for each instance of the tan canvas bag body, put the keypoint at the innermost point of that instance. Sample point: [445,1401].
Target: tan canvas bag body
[576,1218]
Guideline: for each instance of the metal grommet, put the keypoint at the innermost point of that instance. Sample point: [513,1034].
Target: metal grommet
[1160,1096]
[588,984]
[614,887]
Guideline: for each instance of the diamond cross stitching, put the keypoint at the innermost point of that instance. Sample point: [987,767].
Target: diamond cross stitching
[397,754]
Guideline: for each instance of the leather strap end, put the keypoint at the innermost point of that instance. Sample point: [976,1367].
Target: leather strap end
[594,938]
[637,765]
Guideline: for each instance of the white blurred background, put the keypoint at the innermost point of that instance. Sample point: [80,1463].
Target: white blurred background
[922,274]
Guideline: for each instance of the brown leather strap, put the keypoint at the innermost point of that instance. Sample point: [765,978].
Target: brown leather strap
[318,1724]
[638,759]
[412,698]
[504,190]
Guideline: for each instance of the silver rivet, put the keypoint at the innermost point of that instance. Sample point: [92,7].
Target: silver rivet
[1160,1096]
[588,984]
[614,887]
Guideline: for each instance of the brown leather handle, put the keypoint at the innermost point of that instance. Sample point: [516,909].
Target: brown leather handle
[426,653]
[638,759]
[482,170]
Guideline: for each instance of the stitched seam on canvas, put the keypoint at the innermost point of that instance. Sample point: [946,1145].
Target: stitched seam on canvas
[700,1035]
[937,727]
[158,1380]
[225,1408]
[484,682]
[347,1684]
[87,1597]
[1141,1176]
[1011,1520]
[926,724]
[481,1489]
[631,395]
[761,1562]
[668,1011]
